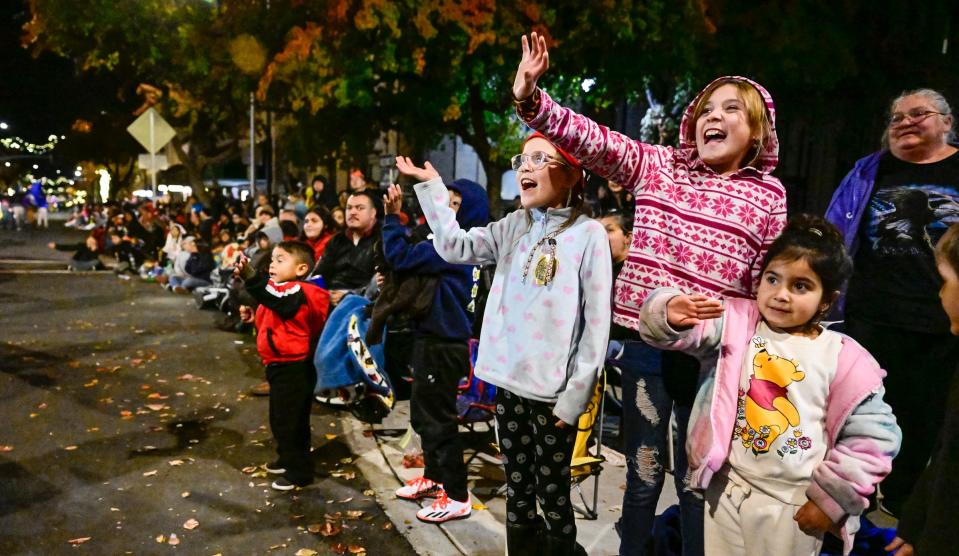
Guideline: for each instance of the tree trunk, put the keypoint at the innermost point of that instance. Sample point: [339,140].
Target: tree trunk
[194,165]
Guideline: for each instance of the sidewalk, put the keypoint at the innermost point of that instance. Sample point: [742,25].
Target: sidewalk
[380,450]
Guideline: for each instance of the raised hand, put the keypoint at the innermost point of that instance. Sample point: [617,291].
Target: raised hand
[686,311]
[406,167]
[393,200]
[532,66]
[241,264]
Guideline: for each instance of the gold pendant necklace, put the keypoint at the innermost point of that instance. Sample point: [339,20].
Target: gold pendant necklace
[547,264]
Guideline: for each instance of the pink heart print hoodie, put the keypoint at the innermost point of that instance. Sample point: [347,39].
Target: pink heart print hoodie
[693,229]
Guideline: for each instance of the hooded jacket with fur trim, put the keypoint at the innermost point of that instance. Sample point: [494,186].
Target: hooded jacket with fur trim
[693,229]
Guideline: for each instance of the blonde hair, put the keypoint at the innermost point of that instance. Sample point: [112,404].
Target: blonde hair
[756,115]
[947,250]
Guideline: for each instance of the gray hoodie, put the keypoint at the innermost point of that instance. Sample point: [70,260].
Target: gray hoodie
[544,343]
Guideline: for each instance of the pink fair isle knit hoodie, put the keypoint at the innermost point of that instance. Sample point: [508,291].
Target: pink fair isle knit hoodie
[693,229]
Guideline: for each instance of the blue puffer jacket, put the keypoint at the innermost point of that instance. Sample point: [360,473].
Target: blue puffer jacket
[450,316]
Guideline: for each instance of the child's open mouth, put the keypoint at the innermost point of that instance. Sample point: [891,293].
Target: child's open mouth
[526,184]
[711,135]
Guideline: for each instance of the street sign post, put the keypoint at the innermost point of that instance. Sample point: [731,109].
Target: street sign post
[153,132]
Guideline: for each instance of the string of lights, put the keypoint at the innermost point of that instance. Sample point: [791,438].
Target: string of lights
[22,145]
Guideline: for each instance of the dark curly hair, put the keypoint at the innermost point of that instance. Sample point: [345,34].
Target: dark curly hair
[815,240]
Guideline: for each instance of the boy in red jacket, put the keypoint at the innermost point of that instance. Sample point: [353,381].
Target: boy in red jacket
[289,320]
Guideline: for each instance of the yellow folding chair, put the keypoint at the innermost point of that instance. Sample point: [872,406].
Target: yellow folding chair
[586,464]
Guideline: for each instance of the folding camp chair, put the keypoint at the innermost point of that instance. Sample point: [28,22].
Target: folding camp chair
[475,402]
[585,464]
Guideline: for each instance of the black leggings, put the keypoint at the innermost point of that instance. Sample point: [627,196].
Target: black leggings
[538,455]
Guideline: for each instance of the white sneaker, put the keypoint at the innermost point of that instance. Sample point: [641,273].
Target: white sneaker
[445,509]
[417,488]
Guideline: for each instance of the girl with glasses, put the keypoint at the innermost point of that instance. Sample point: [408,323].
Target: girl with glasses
[545,329]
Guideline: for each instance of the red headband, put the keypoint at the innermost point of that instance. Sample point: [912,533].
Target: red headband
[566,156]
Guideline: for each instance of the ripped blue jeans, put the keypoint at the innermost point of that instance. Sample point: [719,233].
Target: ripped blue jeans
[646,413]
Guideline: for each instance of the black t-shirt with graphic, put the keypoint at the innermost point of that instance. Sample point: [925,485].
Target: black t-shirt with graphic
[895,281]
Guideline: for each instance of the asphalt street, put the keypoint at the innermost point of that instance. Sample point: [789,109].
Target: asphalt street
[126,427]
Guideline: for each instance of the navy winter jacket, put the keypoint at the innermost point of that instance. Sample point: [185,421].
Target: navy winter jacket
[449,317]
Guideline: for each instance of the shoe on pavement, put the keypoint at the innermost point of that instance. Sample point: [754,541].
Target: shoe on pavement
[284,484]
[417,488]
[445,509]
[261,389]
[274,468]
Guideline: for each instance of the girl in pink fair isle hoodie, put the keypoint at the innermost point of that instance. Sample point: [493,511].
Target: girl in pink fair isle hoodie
[705,215]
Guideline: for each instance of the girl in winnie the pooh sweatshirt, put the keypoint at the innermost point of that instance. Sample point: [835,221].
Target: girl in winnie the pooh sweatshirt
[789,432]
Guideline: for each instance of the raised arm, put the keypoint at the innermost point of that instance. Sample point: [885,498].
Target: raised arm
[458,246]
[600,149]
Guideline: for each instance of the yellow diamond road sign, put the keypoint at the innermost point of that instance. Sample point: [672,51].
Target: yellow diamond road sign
[162,131]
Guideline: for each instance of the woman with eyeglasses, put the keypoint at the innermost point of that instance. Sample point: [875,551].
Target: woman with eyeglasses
[892,208]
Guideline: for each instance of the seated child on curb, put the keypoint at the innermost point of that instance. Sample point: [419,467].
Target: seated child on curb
[289,320]
[789,432]
[86,255]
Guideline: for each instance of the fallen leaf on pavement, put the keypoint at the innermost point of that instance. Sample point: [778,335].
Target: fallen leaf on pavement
[79,540]
[191,524]
[330,436]
[186,376]
[91,384]
[354,514]
[157,396]
[161,539]
[330,529]
[150,473]
[346,460]
[339,548]
[173,539]
[185,494]
[478,506]
[314,528]
[6,448]
[126,414]
[70,448]
[157,406]
[354,549]
[387,526]
[175,462]
[369,492]
[305,552]
[42,405]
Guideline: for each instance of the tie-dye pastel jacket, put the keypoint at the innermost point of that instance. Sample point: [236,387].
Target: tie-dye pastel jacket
[861,430]
[693,229]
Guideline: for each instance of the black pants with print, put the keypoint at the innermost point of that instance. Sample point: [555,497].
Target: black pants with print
[538,455]
[438,366]
[291,399]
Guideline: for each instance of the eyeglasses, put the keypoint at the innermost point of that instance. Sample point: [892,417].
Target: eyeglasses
[914,116]
[537,160]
